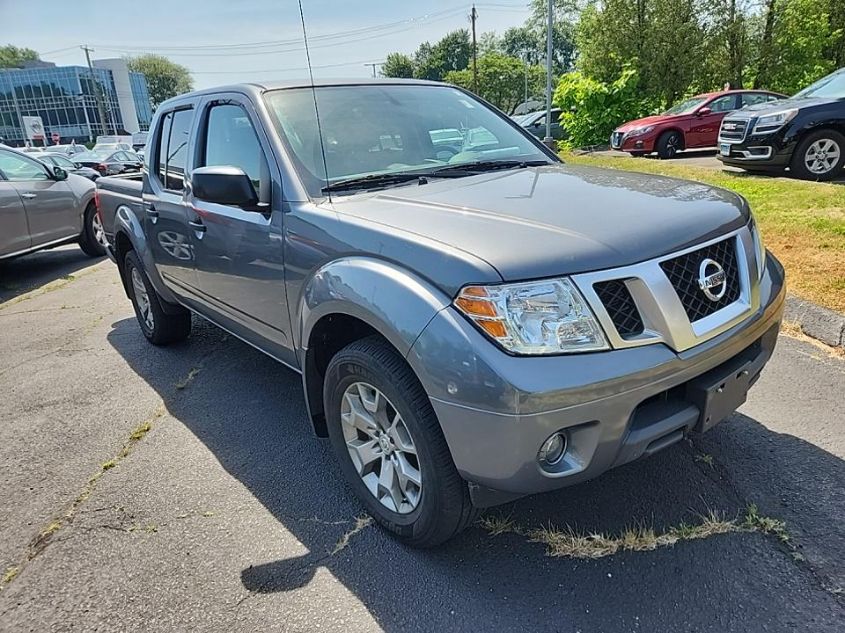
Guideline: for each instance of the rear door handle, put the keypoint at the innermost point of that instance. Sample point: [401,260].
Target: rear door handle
[197,225]
[29,195]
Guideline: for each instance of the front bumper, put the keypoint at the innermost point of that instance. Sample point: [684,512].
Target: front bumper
[770,152]
[622,142]
[496,410]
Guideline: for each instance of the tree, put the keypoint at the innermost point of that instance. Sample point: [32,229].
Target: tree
[452,52]
[501,80]
[165,79]
[398,65]
[13,57]
[528,42]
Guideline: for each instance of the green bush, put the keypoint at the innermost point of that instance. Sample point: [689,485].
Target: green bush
[592,109]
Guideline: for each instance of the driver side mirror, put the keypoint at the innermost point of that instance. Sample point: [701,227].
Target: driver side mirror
[703,111]
[59,174]
[223,184]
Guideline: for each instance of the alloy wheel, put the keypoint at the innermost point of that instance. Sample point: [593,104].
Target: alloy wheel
[97,228]
[822,156]
[381,448]
[142,299]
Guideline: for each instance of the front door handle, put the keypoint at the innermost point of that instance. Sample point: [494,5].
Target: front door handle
[197,225]
[29,195]
[151,211]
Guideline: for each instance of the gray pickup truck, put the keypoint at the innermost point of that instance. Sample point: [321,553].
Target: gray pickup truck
[473,320]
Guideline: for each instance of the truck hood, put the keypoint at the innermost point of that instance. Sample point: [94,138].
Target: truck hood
[556,219]
[762,109]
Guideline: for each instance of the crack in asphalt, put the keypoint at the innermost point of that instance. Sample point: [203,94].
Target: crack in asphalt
[39,543]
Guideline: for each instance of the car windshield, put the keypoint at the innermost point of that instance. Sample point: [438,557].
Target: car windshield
[686,107]
[830,87]
[385,130]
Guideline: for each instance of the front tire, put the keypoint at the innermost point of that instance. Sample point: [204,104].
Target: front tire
[637,154]
[390,446]
[92,241]
[158,326]
[668,144]
[819,156]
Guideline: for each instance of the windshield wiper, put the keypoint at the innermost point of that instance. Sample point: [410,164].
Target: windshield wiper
[480,166]
[374,180]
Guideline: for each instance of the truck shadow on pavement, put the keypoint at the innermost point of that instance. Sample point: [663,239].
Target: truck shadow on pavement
[22,274]
[249,412]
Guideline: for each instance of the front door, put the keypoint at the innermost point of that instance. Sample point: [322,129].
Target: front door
[239,253]
[165,213]
[51,207]
[704,129]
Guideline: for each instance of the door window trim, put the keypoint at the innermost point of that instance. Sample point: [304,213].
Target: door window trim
[155,164]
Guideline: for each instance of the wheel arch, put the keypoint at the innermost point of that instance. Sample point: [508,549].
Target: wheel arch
[353,298]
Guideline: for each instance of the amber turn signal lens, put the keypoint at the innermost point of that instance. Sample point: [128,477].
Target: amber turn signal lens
[476,307]
[495,329]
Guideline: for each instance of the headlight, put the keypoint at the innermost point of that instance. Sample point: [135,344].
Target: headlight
[641,130]
[759,249]
[535,317]
[773,122]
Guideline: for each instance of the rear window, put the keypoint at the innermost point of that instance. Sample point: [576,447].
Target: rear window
[172,154]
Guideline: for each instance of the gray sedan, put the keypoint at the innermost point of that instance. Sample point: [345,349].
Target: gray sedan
[61,160]
[42,206]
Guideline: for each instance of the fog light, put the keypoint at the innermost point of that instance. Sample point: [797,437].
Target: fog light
[552,449]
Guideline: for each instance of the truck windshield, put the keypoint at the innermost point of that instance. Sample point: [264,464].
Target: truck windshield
[830,87]
[387,129]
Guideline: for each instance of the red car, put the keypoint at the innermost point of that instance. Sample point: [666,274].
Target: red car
[687,125]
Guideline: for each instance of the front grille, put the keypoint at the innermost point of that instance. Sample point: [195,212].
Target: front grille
[733,130]
[616,139]
[683,273]
[620,306]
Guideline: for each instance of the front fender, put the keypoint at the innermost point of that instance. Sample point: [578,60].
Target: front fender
[392,300]
[126,223]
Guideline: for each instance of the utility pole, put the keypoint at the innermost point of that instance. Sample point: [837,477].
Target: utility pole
[474,16]
[97,89]
[374,66]
[549,141]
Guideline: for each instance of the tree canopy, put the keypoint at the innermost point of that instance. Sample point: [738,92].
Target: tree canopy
[165,79]
[13,57]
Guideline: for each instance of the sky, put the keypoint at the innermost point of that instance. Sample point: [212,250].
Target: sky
[230,41]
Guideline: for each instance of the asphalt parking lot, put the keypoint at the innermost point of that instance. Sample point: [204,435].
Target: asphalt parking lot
[181,489]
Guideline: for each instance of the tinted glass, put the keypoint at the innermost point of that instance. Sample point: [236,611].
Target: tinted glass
[686,107]
[387,129]
[723,104]
[751,98]
[161,154]
[21,168]
[177,149]
[231,140]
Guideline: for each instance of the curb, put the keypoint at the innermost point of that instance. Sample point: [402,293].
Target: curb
[821,323]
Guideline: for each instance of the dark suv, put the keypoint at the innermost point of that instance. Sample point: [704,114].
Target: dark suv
[805,133]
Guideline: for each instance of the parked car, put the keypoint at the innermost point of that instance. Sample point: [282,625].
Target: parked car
[109,162]
[693,123]
[535,123]
[68,149]
[466,332]
[42,206]
[805,133]
[61,160]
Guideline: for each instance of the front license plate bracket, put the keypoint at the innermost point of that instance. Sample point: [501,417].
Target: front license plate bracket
[720,392]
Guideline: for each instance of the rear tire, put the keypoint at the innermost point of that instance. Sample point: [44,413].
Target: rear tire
[92,241]
[668,144]
[158,326]
[819,156]
[368,383]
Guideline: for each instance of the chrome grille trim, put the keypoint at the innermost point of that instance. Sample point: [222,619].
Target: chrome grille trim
[664,318]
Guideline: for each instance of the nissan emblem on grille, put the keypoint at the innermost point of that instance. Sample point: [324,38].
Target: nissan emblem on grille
[711,279]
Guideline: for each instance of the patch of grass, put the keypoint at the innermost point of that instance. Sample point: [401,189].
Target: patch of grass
[361,522]
[109,464]
[705,458]
[9,575]
[803,223]
[568,543]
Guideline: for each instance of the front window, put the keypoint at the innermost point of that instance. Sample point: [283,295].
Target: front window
[830,87]
[374,130]
[18,168]
[686,107]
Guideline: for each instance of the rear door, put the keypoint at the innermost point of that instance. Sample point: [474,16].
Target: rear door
[239,253]
[704,129]
[52,210]
[14,231]
[165,214]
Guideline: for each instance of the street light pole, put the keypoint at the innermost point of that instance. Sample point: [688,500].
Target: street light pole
[549,141]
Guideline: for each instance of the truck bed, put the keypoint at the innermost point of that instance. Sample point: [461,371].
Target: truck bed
[116,191]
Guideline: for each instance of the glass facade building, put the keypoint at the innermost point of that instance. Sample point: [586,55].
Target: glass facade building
[65,97]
